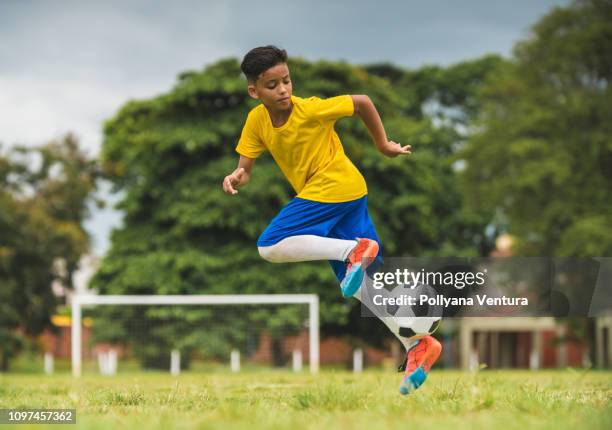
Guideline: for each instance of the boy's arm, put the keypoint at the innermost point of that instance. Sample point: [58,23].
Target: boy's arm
[239,177]
[366,110]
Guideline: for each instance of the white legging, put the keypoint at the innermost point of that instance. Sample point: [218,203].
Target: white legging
[307,247]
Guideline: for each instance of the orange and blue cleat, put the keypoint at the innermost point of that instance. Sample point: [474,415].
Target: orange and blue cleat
[358,260]
[419,360]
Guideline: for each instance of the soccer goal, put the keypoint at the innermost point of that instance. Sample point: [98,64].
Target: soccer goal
[169,330]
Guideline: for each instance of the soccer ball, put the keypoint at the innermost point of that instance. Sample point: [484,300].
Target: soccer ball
[418,321]
[414,320]
[415,327]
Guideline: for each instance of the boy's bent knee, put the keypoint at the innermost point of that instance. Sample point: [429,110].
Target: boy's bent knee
[270,253]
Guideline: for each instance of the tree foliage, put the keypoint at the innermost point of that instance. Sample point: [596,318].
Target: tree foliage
[541,153]
[43,202]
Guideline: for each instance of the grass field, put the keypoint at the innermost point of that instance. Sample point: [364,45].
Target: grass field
[333,399]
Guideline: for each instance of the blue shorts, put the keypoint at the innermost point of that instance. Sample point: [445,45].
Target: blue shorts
[346,220]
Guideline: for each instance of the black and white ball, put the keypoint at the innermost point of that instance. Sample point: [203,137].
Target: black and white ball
[417,321]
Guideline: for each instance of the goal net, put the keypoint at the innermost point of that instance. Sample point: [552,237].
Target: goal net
[194,332]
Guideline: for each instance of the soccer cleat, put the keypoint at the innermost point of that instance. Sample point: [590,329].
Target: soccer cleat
[358,260]
[413,381]
[419,360]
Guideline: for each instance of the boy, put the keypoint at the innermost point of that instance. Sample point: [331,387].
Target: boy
[328,219]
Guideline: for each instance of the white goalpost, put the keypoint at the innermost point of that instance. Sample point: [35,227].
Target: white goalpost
[79,301]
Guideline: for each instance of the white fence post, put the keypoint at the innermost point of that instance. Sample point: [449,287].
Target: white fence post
[297,360]
[175,362]
[107,362]
[48,363]
[358,360]
[235,360]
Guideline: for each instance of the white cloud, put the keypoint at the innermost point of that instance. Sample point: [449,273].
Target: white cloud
[35,110]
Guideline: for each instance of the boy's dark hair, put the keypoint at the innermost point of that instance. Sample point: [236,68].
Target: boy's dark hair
[260,59]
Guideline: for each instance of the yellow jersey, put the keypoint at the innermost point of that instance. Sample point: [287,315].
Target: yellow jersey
[307,148]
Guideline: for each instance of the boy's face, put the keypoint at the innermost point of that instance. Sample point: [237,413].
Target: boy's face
[273,87]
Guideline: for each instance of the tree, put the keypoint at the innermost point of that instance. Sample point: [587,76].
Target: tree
[541,152]
[43,201]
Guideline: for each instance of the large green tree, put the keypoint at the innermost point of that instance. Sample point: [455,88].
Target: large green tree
[183,235]
[541,152]
[44,197]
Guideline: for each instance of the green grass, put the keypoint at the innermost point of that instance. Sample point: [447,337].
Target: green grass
[331,400]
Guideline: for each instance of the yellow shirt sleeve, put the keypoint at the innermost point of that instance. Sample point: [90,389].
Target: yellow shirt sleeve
[332,108]
[250,143]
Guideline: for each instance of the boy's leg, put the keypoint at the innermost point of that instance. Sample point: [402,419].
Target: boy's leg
[300,233]
[359,223]
[307,248]
[356,224]
[419,360]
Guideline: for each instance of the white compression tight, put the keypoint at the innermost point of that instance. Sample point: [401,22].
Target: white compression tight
[309,248]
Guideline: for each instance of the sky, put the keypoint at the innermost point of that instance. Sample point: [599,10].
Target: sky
[70,65]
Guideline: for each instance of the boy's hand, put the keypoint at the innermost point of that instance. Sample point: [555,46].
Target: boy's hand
[231,182]
[393,149]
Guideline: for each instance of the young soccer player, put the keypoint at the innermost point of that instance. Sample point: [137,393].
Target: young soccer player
[328,219]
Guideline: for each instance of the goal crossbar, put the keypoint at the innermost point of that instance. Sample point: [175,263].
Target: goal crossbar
[312,300]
